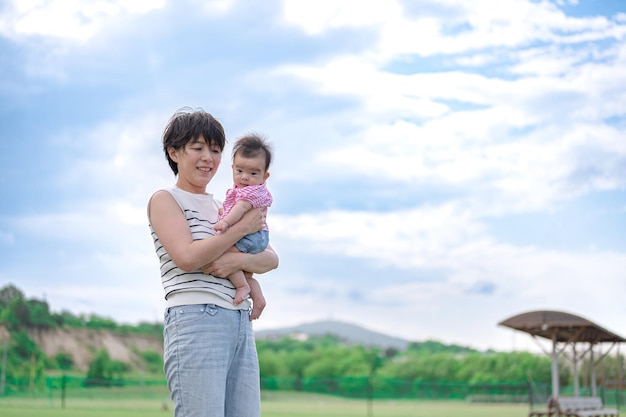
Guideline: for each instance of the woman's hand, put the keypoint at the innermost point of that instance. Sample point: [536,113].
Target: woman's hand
[252,221]
[224,265]
[233,260]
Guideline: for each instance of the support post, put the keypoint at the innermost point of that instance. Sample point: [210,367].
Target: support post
[592,361]
[575,371]
[555,368]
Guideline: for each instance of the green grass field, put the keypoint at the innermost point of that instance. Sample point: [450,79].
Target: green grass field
[274,404]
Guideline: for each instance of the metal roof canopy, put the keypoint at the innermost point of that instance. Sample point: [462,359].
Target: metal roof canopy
[565,330]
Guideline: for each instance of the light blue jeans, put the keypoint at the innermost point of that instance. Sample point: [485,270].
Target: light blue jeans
[211,363]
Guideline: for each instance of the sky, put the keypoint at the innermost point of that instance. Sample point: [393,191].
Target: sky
[440,166]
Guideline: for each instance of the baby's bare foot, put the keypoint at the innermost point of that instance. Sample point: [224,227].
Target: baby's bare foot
[241,294]
[257,308]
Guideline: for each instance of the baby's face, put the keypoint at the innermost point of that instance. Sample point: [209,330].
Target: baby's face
[249,171]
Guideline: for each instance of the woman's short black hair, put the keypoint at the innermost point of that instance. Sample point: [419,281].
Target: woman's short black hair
[187,125]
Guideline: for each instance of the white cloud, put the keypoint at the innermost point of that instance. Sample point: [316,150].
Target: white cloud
[125,297]
[450,239]
[215,8]
[119,157]
[99,259]
[67,19]
[480,280]
[406,239]
[317,16]
[512,136]
[452,26]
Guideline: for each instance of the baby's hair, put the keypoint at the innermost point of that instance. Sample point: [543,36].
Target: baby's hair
[251,145]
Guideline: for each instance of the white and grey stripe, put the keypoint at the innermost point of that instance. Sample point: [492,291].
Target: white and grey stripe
[201,212]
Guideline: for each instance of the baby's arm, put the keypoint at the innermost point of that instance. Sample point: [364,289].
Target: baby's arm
[240,208]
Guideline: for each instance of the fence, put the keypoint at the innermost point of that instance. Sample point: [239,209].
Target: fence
[529,392]
[388,388]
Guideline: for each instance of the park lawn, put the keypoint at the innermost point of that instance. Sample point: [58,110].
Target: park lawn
[280,404]
[274,404]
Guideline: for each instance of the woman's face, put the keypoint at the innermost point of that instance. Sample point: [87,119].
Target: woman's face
[197,164]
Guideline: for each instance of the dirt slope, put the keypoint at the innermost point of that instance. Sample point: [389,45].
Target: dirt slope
[81,344]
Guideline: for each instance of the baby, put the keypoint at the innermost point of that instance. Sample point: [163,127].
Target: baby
[251,159]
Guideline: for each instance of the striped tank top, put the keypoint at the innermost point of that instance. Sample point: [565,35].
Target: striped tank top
[195,287]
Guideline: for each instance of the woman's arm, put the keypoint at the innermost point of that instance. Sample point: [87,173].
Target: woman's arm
[170,225]
[230,262]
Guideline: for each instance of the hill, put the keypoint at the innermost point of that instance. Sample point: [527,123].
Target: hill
[82,344]
[347,332]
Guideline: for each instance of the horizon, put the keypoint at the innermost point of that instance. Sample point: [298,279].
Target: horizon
[331,321]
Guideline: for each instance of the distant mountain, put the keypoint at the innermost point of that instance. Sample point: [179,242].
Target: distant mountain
[349,333]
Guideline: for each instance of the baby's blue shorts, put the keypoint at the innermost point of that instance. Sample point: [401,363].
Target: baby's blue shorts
[254,243]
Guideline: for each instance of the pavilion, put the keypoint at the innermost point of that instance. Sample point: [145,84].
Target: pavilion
[572,336]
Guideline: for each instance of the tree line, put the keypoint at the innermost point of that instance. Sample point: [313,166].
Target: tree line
[319,356]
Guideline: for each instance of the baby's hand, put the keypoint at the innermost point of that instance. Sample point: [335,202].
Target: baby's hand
[221,226]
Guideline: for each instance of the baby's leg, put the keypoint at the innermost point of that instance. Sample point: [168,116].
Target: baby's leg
[242,289]
[238,279]
[258,300]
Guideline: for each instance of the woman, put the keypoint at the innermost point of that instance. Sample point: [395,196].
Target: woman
[210,357]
